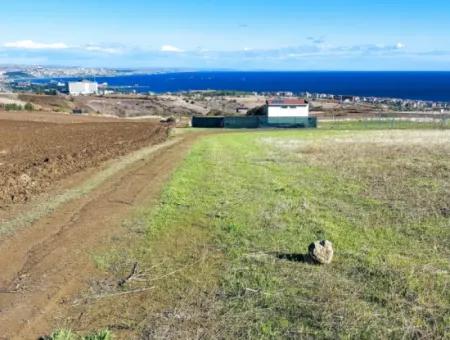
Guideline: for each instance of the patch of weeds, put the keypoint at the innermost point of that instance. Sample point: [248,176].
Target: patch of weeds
[65,334]
[62,334]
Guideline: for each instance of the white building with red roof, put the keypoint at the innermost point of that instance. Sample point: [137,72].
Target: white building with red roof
[287,107]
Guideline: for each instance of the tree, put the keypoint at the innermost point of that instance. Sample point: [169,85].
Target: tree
[258,111]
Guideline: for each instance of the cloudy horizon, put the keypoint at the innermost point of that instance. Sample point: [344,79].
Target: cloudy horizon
[398,35]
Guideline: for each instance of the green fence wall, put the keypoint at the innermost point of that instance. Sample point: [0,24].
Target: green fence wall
[242,122]
[208,122]
[253,122]
[291,122]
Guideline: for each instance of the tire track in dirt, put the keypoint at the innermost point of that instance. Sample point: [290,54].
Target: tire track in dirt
[49,262]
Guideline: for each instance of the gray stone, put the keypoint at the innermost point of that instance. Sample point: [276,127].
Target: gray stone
[321,251]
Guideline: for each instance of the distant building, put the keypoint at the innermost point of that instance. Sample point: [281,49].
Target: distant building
[287,107]
[106,92]
[23,84]
[285,94]
[85,87]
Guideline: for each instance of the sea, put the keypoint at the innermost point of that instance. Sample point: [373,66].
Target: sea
[427,86]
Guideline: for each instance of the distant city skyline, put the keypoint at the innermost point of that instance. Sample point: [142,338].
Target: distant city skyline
[241,35]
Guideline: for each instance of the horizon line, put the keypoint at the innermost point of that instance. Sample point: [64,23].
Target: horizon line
[199,69]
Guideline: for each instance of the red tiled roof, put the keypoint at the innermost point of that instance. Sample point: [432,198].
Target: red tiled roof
[287,101]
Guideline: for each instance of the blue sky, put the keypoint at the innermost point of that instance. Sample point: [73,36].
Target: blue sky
[212,34]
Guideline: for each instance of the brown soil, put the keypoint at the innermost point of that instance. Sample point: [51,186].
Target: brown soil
[33,155]
[116,105]
[45,265]
[57,103]
[54,117]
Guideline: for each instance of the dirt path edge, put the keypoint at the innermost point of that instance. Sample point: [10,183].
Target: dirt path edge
[46,260]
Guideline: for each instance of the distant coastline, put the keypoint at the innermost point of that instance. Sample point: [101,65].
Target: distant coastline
[426,86]
[421,85]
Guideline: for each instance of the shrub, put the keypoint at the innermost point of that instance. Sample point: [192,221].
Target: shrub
[257,111]
[13,107]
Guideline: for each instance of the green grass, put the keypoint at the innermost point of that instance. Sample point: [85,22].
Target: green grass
[381,124]
[209,251]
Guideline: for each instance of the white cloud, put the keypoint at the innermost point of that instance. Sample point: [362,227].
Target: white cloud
[400,46]
[102,49]
[32,45]
[170,48]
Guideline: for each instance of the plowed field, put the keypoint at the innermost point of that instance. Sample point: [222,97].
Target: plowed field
[33,155]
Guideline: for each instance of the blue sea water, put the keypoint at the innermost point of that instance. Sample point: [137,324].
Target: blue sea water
[432,86]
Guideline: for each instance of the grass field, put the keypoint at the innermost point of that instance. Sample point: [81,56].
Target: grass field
[220,254]
[383,124]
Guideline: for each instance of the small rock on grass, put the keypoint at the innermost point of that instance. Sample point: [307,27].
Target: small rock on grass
[321,251]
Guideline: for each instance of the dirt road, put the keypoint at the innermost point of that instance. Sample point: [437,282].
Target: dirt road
[45,264]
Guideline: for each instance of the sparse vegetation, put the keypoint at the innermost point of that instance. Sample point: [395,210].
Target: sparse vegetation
[215,113]
[16,107]
[209,254]
[11,107]
[65,334]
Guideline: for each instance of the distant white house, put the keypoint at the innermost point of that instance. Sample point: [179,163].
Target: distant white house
[287,107]
[85,87]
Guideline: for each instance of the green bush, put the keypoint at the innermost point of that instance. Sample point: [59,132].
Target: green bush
[13,107]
